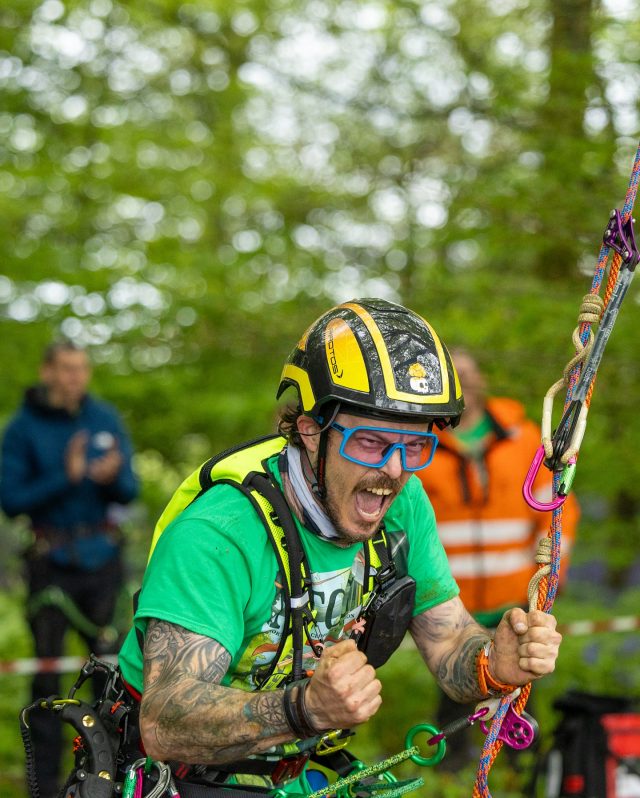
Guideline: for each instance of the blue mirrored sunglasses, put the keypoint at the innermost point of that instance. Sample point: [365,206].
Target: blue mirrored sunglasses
[364,446]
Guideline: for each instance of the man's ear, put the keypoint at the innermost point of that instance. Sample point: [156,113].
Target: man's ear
[309,432]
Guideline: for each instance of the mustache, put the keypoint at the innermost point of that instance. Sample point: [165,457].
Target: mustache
[379,481]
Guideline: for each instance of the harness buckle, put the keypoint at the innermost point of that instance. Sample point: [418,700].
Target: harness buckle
[289,768]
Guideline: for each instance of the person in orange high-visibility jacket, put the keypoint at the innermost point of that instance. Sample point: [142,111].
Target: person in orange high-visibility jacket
[475,482]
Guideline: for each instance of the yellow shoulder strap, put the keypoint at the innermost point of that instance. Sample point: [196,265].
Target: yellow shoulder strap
[233,465]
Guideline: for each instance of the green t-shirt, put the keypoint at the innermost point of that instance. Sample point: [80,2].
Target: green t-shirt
[214,572]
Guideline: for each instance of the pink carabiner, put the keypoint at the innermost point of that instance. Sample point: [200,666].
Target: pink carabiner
[532,473]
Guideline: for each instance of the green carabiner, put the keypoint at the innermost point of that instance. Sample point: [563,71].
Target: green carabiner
[566,479]
[440,749]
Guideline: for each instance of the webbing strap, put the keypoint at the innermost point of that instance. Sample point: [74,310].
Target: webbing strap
[298,566]
[188,790]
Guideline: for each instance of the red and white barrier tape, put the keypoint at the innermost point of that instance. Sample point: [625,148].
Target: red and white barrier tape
[624,623]
[31,665]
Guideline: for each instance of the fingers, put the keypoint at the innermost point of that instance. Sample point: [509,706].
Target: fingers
[105,469]
[361,704]
[517,618]
[75,458]
[539,643]
[344,690]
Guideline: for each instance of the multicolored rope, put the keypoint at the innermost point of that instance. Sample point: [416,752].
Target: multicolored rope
[548,584]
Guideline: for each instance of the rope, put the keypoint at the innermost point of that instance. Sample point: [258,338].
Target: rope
[543,559]
[544,584]
[396,788]
[590,312]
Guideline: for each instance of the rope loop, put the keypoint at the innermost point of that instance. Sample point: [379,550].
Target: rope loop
[590,311]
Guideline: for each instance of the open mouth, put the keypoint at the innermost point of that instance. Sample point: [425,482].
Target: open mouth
[372,503]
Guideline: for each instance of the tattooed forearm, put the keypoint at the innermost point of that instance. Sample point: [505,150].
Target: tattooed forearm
[457,673]
[186,715]
[449,640]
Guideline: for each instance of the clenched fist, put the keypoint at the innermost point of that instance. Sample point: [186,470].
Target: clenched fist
[343,690]
[525,646]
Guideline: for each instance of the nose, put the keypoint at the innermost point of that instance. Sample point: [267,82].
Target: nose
[393,467]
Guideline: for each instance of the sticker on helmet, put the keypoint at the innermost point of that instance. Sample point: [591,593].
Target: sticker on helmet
[425,380]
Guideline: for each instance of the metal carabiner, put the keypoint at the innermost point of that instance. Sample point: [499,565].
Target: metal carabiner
[332,741]
[532,473]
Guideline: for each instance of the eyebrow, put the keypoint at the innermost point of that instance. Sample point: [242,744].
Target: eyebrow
[379,432]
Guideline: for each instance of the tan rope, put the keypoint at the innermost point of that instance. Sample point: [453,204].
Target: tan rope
[590,312]
[543,559]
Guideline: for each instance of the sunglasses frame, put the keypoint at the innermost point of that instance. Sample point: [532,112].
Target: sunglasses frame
[347,433]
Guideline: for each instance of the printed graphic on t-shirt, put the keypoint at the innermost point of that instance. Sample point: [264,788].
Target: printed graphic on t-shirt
[337,597]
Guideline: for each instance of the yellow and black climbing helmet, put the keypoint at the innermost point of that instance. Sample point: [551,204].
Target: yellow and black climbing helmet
[378,358]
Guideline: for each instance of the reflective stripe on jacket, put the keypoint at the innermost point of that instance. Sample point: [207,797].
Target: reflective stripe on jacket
[489,532]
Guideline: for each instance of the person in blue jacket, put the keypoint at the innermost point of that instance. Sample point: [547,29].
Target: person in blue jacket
[66,465]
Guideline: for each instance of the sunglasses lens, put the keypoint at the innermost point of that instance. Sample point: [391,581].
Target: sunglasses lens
[366,445]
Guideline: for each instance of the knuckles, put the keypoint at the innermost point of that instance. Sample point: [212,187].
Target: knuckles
[538,618]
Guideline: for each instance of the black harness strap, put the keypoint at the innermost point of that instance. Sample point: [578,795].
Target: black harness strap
[188,789]
[300,600]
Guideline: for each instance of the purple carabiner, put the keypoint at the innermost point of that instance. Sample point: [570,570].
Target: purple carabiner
[516,731]
[532,473]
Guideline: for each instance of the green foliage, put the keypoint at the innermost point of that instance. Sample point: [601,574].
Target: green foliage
[184,187]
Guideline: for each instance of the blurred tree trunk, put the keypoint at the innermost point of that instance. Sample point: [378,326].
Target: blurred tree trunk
[566,185]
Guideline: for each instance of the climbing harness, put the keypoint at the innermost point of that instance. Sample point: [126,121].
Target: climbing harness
[559,451]
[103,731]
[107,737]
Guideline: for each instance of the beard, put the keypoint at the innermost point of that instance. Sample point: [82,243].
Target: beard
[331,507]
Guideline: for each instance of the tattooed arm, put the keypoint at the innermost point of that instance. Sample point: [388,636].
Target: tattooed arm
[449,640]
[525,647]
[186,715]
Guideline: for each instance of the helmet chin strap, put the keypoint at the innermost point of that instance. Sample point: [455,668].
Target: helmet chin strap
[318,486]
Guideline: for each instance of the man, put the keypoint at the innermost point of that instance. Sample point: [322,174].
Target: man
[489,532]
[66,459]
[211,638]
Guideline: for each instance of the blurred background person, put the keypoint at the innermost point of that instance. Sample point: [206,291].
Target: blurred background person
[489,532]
[66,464]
